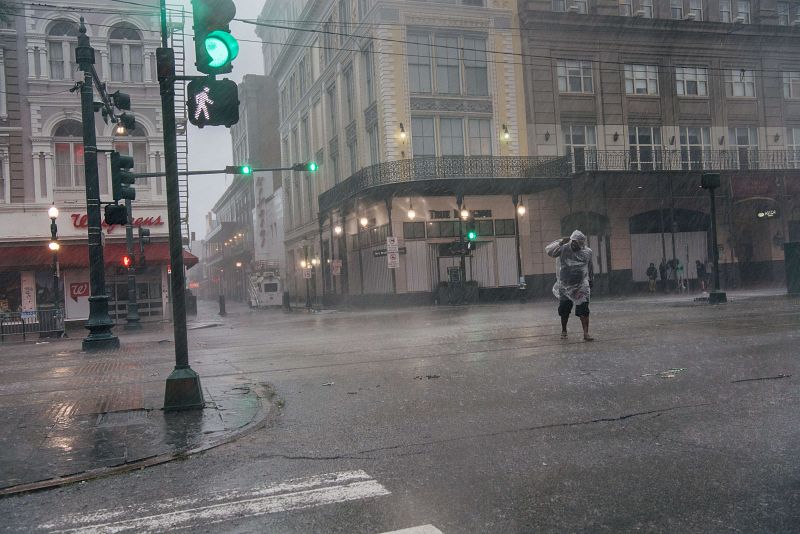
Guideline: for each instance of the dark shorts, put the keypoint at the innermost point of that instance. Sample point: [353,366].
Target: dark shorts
[565,307]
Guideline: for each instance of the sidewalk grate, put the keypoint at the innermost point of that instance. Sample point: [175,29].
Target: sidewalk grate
[126,418]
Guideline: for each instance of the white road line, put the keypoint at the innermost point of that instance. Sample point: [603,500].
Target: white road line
[181,512]
[423,529]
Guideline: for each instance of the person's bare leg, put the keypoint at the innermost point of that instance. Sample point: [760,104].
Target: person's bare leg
[585,325]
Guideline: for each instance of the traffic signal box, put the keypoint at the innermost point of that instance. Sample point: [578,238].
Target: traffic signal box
[471,234]
[215,47]
[121,178]
[213,102]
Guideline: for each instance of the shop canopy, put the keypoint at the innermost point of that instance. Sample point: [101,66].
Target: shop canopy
[38,256]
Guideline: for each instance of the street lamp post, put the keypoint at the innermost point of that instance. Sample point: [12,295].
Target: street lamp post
[519,209]
[54,246]
[304,264]
[711,181]
[132,317]
[99,324]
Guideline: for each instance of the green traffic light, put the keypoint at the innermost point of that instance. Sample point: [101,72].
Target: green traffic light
[246,169]
[312,166]
[472,235]
[222,48]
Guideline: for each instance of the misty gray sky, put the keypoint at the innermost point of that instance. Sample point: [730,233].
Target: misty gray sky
[210,147]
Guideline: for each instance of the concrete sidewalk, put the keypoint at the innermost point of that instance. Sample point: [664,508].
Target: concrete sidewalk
[68,415]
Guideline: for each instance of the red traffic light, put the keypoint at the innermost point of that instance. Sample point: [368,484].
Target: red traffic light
[126,261]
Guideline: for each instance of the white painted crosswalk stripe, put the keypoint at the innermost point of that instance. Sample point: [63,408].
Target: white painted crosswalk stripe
[182,512]
[422,529]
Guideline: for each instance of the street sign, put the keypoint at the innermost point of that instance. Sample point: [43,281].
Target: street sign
[392,244]
[393,260]
[336,267]
[306,273]
[380,252]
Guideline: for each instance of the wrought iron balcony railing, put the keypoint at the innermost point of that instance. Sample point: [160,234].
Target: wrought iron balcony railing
[443,168]
[684,159]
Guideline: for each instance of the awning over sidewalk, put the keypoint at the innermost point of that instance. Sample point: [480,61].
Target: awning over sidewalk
[21,257]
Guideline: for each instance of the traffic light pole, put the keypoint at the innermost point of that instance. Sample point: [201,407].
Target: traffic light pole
[99,323]
[132,317]
[183,390]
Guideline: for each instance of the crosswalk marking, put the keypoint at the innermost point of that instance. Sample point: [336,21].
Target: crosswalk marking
[181,512]
[423,529]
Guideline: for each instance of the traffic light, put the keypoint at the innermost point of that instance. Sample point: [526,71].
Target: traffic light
[121,177]
[116,214]
[213,102]
[144,235]
[239,169]
[127,261]
[471,234]
[215,47]
[309,166]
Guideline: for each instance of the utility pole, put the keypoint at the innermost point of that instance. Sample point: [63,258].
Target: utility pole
[132,317]
[99,324]
[183,390]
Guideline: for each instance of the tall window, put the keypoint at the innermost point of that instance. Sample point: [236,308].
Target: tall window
[641,79]
[68,144]
[676,9]
[560,6]
[369,74]
[461,64]
[793,146]
[744,10]
[480,137]
[725,10]
[646,6]
[745,141]
[574,76]
[423,138]
[126,55]
[419,63]
[581,5]
[791,84]
[352,151]
[626,8]
[335,167]
[782,10]
[374,142]
[329,41]
[448,80]
[695,147]
[332,115]
[691,81]
[349,94]
[344,19]
[475,74]
[581,142]
[740,82]
[696,9]
[301,78]
[61,43]
[645,147]
[451,137]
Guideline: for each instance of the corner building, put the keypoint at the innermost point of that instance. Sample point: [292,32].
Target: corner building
[413,111]
[641,98]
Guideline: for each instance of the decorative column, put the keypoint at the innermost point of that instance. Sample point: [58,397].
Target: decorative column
[50,174]
[44,66]
[147,66]
[106,66]
[31,62]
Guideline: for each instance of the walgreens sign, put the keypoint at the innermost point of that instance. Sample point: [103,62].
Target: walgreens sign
[81,220]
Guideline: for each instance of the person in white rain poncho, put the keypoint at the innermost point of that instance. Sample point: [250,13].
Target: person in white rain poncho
[574,276]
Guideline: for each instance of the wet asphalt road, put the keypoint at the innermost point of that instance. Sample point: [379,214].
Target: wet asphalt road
[679,418]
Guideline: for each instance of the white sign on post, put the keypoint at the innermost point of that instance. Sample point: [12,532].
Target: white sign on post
[393,260]
[392,245]
[336,267]
[306,273]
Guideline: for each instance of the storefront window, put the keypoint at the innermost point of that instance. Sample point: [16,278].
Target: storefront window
[10,292]
[45,294]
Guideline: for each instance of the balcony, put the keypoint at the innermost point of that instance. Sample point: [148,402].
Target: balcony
[445,175]
[690,159]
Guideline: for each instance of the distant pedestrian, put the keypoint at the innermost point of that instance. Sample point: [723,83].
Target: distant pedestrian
[670,276]
[679,275]
[702,274]
[662,271]
[652,274]
[574,279]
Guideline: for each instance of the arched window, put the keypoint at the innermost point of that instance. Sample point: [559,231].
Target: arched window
[62,38]
[68,143]
[126,55]
[134,144]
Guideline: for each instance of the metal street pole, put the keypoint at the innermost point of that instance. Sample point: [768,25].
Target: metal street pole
[711,182]
[183,390]
[132,317]
[54,239]
[99,323]
[520,276]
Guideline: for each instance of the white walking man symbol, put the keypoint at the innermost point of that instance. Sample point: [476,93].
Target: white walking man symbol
[202,102]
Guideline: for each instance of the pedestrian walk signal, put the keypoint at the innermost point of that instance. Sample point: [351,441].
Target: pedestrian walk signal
[213,102]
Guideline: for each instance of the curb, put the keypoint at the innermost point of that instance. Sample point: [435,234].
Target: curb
[263,392]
